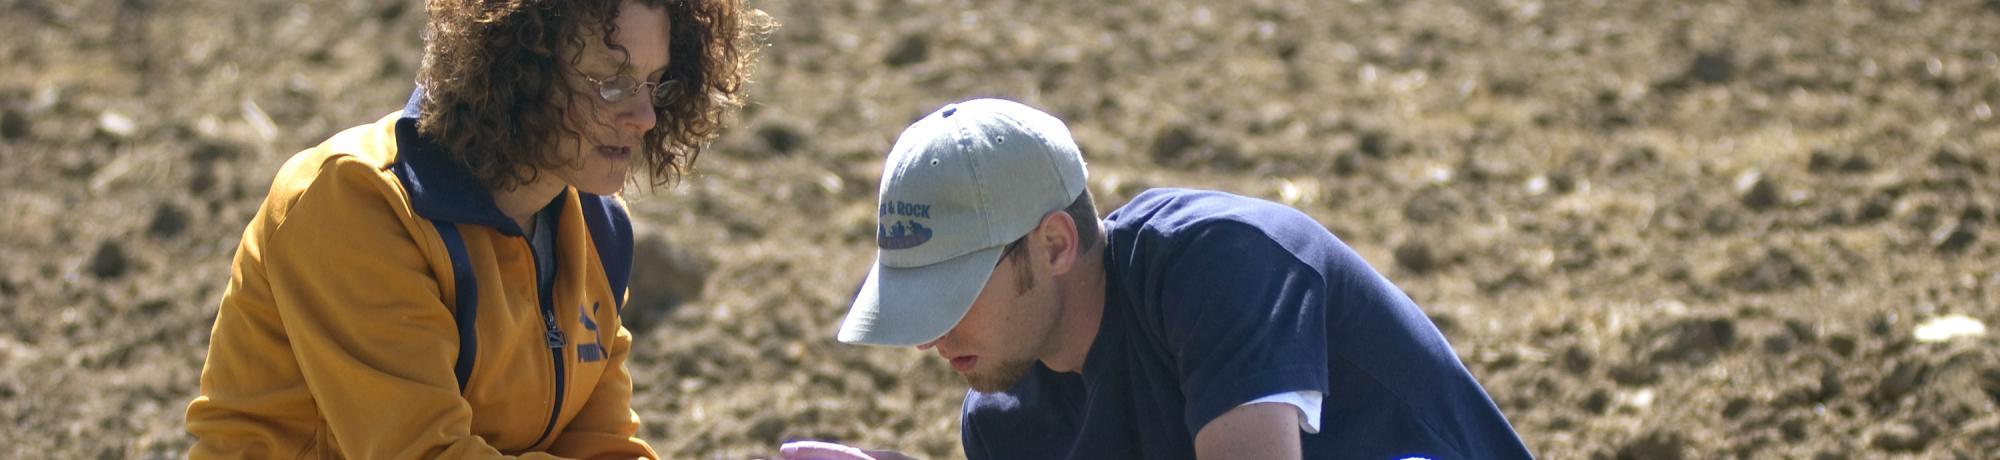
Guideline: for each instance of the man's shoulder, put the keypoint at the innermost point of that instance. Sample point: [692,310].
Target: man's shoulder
[1183,220]
[1177,210]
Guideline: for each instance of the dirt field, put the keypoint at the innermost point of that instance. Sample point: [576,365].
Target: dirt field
[1653,229]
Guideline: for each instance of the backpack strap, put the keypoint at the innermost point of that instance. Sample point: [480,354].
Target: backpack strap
[611,232]
[466,312]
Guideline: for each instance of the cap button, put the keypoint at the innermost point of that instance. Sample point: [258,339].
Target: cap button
[950,110]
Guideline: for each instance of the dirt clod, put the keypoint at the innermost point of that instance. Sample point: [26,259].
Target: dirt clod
[1775,270]
[1656,445]
[1955,238]
[13,124]
[781,138]
[1902,437]
[912,49]
[1418,257]
[1693,340]
[1758,191]
[168,221]
[109,261]
[1712,67]
[673,274]
[1901,381]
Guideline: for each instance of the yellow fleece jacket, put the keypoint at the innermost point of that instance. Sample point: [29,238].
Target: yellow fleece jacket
[336,336]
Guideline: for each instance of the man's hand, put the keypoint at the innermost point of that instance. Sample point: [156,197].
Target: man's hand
[816,450]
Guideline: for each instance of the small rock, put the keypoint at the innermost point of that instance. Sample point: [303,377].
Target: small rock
[47,98]
[1757,191]
[109,261]
[1693,340]
[1954,238]
[1634,160]
[1735,408]
[671,275]
[1948,159]
[1173,142]
[1636,374]
[1902,437]
[1801,330]
[1374,143]
[1578,360]
[13,124]
[1794,429]
[1712,67]
[1883,324]
[1842,344]
[209,152]
[1433,204]
[201,179]
[1778,344]
[766,430]
[1347,163]
[1821,161]
[1877,207]
[1777,270]
[116,125]
[1856,164]
[1417,257]
[781,138]
[1906,377]
[1656,445]
[168,221]
[1597,402]
[1563,183]
[1829,384]
[1949,327]
[912,49]
[1989,382]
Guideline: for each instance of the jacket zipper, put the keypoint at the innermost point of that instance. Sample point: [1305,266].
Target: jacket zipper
[554,336]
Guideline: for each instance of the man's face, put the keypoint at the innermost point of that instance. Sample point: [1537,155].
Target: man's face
[597,160]
[1008,327]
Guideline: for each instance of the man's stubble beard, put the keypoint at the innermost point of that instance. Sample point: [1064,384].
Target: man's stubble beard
[1002,377]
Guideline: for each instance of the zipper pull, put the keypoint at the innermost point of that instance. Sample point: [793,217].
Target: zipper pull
[554,335]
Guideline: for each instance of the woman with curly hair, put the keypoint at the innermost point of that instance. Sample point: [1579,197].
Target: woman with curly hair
[446,282]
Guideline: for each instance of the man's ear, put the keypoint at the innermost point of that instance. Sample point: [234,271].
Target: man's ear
[1057,233]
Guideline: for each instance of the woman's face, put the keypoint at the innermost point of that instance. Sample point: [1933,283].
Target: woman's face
[598,160]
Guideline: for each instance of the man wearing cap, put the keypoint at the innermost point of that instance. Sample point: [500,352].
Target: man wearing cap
[1187,324]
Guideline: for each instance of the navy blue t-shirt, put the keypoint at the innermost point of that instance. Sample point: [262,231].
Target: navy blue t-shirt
[1213,300]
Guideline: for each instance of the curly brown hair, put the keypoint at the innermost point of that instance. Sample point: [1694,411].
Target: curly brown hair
[493,73]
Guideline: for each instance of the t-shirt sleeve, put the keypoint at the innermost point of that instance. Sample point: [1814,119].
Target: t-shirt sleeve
[1307,403]
[1243,317]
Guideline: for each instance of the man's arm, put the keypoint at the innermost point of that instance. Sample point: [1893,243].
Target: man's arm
[1255,431]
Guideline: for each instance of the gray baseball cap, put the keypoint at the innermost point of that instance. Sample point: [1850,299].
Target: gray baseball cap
[958,186]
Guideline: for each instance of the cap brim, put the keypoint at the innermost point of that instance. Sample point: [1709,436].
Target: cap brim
[908,306]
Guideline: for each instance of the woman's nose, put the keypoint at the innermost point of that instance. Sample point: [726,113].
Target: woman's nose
[637,114]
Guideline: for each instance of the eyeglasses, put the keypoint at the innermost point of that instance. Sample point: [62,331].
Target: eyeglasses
[621,87]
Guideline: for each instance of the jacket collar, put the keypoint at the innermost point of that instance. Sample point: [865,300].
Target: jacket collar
[439,188]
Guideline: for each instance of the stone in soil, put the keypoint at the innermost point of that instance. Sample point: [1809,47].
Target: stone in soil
[109,261]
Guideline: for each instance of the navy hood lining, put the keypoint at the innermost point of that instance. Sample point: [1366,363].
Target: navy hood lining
[439,188]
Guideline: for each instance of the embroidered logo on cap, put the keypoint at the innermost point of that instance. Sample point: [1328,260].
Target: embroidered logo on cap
[904,231]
